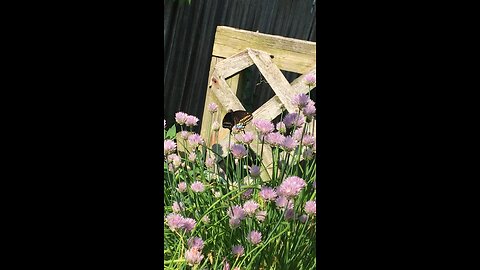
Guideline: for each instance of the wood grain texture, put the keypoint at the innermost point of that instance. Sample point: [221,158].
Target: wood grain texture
[289,54]
[234,64]
[274,77]
[222,86]
[273,107]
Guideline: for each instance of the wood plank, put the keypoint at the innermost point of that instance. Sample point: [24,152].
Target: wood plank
[274,77]
[210,98]
[289,54]
[234,64]
[272,108]
[224,93]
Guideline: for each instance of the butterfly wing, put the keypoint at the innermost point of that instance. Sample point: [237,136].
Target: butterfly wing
[228,121]
[241,119]
[238,119]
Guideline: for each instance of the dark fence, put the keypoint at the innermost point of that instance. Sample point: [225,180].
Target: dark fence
[189,33]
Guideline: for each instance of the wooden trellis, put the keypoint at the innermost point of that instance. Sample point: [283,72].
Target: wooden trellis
[235,50]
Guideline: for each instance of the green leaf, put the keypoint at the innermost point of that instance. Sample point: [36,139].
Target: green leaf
[172,131]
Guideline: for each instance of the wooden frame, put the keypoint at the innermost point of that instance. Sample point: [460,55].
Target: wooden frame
[235,50]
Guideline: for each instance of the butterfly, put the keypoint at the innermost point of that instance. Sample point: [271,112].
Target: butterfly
[236,119]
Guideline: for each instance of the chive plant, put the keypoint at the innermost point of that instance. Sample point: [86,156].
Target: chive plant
[231,218]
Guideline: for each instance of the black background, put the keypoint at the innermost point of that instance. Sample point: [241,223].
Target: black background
[87,120]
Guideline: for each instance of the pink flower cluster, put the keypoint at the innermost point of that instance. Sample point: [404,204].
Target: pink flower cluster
[194,256]
[254,237]
[212,107]
[169,147]
[268,193]
[310,79]
[184,119]
[311,207]
[304,103]
[238,250]
[197,187]
[255,171]
[246,138]
[291,186]
[238,151]
[263,126]
[176,222]
[294,120]
[250,207]
[236,214]
[195,140]
[195,242]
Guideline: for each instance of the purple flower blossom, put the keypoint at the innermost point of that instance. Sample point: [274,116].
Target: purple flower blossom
[254,237]
[254,171]
[177,207]
[191,121]
[238,151]
[310,79]
[169,147]
[188,224]
[193,256]
[274,138]
[209,162]
[308,140]
[197,186]
[314,185]
[309,111]
[261,215]
[195,140]
[195,242]
[289,144]
[226,265]
[283,202]
[291,186]
[263,126]
[238,250]
[174,221]
[311,207]
[289,214]
[182,187]
[294,120]
[247,194]
[300,100]
[181,118]
[268,193]
[298,133]
[281,127]
[238,137]
[236,212]
[246,138]
[212,107]
[184,134]
[250,207]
